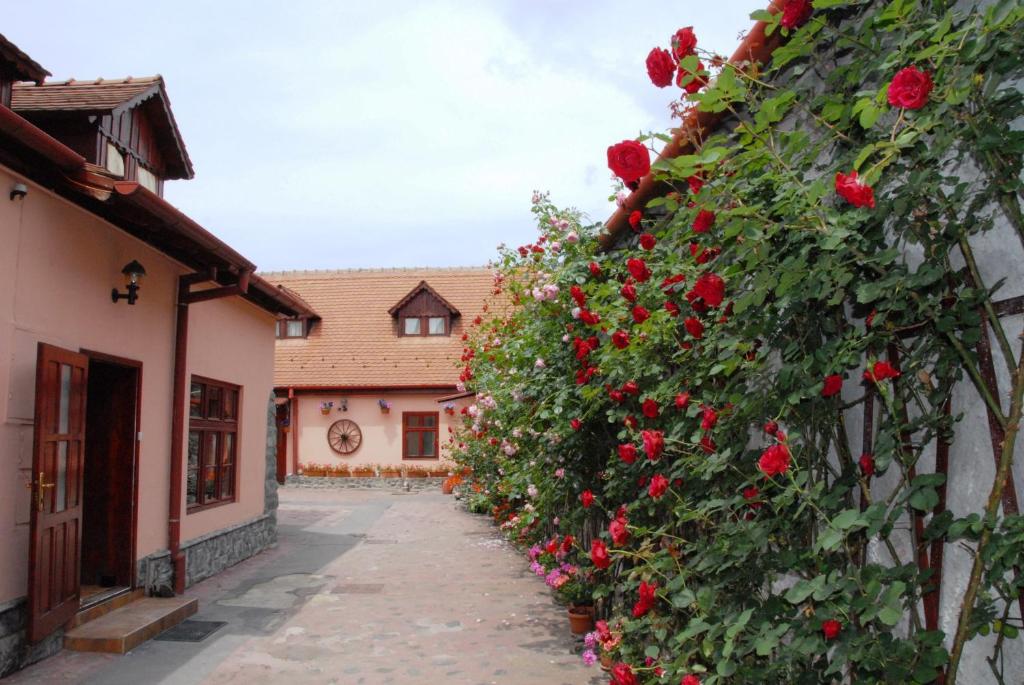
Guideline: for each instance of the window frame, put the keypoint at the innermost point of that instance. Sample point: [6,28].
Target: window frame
[424,320]
[407,429]
[221,420]
[281,328]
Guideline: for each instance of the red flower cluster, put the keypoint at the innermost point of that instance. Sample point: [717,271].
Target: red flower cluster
[684,42]
[627,452]
[622,674]
[648,241]
[694,327]
[682,399]
[635,217]
[881,371]
[599,554]
[660,67]
[831,629]
[578,296]
[654,443]
[617,529]
[774,460]
[586,498]
[576,424]
[647,599]
[855,192]
[620,339]
[910,88]
[650,408]
[796,13]
[629,160]
[710,288]
[833,384]
[640,314]
[659,485]
[709,418]
[628,290]
[704,221]
[867,464]
[692,82]
[595,269]
[690,680]
[638,269]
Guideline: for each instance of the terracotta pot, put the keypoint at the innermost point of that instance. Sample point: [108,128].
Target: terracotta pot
[448,486]
[607,661]
[325,412]
[385,411]
[581,621]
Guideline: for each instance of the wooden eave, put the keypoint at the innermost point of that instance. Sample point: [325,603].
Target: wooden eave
[423,286]
[23,66]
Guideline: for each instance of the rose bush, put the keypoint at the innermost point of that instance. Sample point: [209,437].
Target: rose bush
[691,425]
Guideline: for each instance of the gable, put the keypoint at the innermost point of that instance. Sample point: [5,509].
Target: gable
[423,301]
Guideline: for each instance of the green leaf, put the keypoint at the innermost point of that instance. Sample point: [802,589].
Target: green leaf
[890,616]
[847,519]
[924,499]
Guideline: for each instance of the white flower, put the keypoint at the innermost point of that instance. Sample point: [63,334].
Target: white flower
[575,313]
[539,364]
[531,490]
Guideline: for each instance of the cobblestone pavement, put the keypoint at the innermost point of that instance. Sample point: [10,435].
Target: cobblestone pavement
[365,587]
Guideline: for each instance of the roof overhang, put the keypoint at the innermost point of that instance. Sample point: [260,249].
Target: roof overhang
[23,66]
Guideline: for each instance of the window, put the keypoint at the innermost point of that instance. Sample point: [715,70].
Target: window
[147,179]
[291,328]
[212,442]
[419,435]
[425,325]
[115,160]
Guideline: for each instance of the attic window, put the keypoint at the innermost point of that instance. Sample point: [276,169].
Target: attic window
[292,328]
[423,311]
[147,179]
[115,160]
[425,325]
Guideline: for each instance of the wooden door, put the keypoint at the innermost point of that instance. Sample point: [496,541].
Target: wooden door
[57,464]
[282,442]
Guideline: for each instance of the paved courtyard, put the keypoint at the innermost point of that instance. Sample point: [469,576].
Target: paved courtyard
[365,587]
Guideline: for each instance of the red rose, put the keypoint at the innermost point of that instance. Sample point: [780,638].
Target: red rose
[640,314]
[647,599]
[867,464]
[617,529]
[853,191]
[595,269]
[708,419]
[833,384]
[622,674]
[710,288]
[630,422]
[654,443]
[881,371]
[552,545]
[650,408]
[771,428]
[659,484]
[578,295]
[638,269]
[635,217]
[590,318]
[599,555]
[751,493]
[796,13]
[684,42]
[672,308]
[910,88]
[629,160]
[576,424]
[695,183]
[682,399]
[774,460]
[648,241]
[704,221]
[627,452]
[694,327]
[586,498]
[616,395]
[690,680]
[620,339]
[567,543]
[708,444]
[631,388]
[628,291]
[831,629]
[660,67]
[694,84]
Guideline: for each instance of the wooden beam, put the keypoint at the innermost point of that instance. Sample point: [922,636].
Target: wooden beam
[240,288]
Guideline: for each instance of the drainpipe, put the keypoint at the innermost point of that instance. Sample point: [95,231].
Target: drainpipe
[293,412]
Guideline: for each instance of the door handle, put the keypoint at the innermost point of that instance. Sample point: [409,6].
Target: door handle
[41,486]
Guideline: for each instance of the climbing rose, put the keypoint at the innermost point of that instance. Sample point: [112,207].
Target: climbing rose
[635,217]
[578,295]
[867,464]
[654,443]
[774,460]
[684,42]
[710,288]
[629,160]
[690,680]
[833,384]
[796,13]
[586,498]
[627,452]
[628,291]
[855,192]
[698,81]
[616,395]
[672,308]
[660,67]
[771,428]
[708,419]
[704,221]
[599,554]
[620,339]
[630,422]
[910,88]
[708,444]
[659,484]
[576,424]
[650,408]
[648,241]
[682,399]
[640,314]
[694,327]
[695,183]
[631,387]
[595,269]
[831,628]
[622,674]
[881,371]
[647,599]
[617,529]
[638,269]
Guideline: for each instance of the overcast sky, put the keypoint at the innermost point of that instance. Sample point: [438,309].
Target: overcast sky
[339,134]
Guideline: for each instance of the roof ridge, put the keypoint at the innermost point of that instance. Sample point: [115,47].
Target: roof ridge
[380,269]
[72,81]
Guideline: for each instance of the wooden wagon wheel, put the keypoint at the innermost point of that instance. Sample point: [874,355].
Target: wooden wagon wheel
[344,436]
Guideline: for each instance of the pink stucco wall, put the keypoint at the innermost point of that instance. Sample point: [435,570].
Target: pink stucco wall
[57,266]
[382,433]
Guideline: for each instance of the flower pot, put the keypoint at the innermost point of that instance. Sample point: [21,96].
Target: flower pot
[581,621]
[607,661]
[385,410]
[325,412]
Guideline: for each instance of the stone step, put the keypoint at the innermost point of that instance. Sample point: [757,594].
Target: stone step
[124,629]
[105,607]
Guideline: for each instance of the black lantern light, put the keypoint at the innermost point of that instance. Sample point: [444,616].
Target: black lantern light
[132,271]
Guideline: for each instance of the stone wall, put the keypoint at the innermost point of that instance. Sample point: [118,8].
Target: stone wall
[15,650]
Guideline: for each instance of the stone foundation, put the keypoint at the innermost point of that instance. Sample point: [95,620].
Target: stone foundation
[410,484]
[15,651]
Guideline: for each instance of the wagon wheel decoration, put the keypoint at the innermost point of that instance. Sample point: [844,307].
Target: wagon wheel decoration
[344,436]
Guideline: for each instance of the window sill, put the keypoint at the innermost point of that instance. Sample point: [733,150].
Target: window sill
[434,458]
[196,508]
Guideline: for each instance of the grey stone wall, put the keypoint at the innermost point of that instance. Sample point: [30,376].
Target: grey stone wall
[15,651]
[270,480]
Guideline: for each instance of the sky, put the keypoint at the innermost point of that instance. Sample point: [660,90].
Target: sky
[333,134]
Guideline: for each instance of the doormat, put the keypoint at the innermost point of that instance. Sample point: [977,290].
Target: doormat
[191,631]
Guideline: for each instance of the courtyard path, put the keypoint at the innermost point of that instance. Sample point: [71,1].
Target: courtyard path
[365,587]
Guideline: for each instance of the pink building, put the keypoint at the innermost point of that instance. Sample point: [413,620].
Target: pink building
[136,361]
[375,380]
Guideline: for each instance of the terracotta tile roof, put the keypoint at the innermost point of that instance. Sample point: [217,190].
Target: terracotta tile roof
[24,66]
[93,96]
[356,344]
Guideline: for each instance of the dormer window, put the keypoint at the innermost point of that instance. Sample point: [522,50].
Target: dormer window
[292,328]
[147,179]
[115,160]
[423,312]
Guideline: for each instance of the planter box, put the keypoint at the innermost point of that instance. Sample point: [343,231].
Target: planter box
[363,474]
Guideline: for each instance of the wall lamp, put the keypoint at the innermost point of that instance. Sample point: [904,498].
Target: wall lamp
[132,271]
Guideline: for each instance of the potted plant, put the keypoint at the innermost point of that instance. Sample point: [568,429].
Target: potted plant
[340,471]
[417,472]
[363,470]
[385,406]
[390,471]
[577,593]
[449,408]
[325,407]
